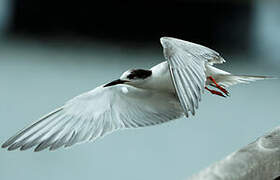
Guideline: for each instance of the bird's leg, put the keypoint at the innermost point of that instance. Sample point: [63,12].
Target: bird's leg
[215,92]
[218,86]
[213,85]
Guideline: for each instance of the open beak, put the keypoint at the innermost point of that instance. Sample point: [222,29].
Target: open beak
[118,81]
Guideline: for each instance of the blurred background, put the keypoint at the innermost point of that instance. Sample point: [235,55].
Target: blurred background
[51,51]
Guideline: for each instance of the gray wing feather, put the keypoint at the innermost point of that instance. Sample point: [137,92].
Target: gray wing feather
[186,62]
[94,114]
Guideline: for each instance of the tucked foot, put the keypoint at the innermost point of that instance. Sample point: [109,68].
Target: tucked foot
[221,89]
[218,86]
[215,92]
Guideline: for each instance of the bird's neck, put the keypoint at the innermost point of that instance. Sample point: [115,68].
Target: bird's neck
[160,79]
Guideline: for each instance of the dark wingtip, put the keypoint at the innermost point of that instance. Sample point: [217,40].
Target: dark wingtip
[7,143]
[40,147]
[4,145]
[13,147]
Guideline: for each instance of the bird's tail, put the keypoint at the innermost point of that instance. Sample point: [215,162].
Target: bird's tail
[229,79]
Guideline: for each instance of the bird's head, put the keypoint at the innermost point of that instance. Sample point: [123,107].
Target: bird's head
[134,77]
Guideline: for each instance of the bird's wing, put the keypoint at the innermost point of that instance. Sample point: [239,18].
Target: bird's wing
[186,62]
[95,114]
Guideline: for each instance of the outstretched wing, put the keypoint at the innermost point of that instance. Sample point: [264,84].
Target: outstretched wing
[95,114]
[187,66]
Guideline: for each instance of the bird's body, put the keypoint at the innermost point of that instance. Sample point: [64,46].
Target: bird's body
[160,80]
[167,91]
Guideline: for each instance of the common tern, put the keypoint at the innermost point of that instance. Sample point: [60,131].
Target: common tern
[167,91]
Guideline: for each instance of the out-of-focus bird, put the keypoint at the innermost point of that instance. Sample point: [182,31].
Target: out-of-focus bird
[167,91]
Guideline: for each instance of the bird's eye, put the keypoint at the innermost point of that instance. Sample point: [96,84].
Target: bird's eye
[131,76]
[139,74]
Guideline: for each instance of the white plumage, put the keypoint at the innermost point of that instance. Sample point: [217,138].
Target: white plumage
[139,98]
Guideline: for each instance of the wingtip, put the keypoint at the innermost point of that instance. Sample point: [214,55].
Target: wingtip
[13,147]
[193,113]
[186,114]
[43,145]
[37,150]
[7,143]
[4,145]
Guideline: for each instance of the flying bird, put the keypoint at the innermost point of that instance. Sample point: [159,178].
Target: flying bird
[140,97]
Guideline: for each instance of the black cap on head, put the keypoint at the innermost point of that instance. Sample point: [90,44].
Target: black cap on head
[139,74]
